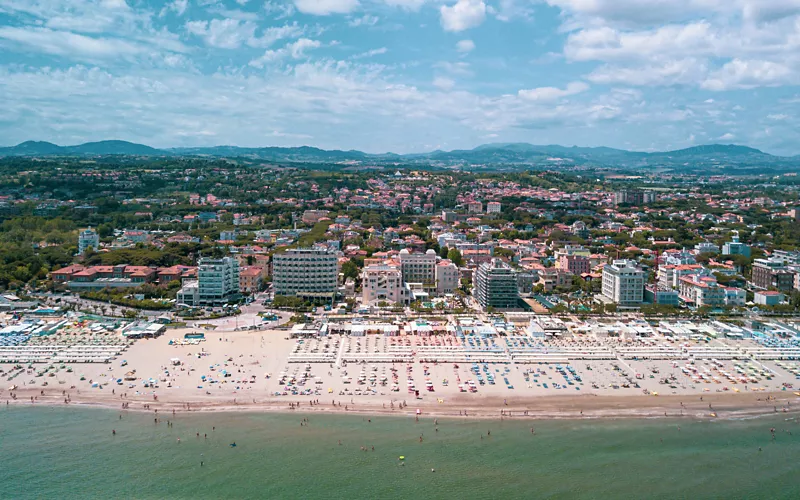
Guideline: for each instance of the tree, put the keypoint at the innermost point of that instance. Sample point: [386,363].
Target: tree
[350,270]
[455,257]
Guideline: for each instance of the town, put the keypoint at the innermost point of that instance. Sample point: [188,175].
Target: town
[645,284]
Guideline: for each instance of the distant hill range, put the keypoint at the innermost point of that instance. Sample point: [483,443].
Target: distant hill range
[500,156]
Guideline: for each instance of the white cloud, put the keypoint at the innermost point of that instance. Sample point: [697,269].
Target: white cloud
[553,93]
[761,11]
[608,44]
[281,10]
[778,117]
[514,10]
[463,15]
[275,33]
[294,50]
[223,33]
[457,68]
[365,20]
[670,72]
[748,74]
[412,5]
[726,137]
[371,53]
[232,33]
[64,43]
[444,83]
[326,7]
[465,46]
[239,14]
[176,6]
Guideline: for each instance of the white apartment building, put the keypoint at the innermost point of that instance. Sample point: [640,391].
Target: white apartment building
[384,283]
[218,280]
[493,207]
[623,283]
[305,272]
[702,291]
[735,297]
[419,268]
[706,247]
[670,275]
[217,283]
[88,238]
[447,277]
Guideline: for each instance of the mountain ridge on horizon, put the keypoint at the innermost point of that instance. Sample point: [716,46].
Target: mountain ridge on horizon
[491,154]
[123,144]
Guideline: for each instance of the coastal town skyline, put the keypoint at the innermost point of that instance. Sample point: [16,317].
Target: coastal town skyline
[401,76]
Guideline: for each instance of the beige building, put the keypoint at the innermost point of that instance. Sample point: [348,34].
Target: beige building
[384,283]
[314,216]
[419,268]
[251,278]
[447,277]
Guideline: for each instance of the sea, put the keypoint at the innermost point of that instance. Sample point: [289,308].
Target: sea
[72,452]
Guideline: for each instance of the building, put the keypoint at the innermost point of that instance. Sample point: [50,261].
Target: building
[169,274]
[474,207]
[550,278]
[772,274]
[654,294]
[735,297]
[768,298]
[795,214]
[447,277]
[706,247]
[669,275]
[227,235]
[495,286]
[701,291]
[218,281]
[735,247]
[189,294]
[787,257]
[575,264]
[305,272]
[314,216]
[451,217]
[677,258]
[64,275]
[797,281]
[493,207]
[99,277]
[634,197]
[384,283]
[88,238]
[623,283]
[251,279]
[579,229]
[419,268]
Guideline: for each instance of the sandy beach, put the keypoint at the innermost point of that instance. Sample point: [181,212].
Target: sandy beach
[251,371]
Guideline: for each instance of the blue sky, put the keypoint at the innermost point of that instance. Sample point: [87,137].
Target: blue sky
[402,75]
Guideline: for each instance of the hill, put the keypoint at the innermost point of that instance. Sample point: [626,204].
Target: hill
[497,156]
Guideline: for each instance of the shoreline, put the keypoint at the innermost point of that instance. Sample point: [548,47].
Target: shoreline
[584,407]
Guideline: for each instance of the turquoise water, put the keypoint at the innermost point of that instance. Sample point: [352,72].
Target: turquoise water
[71,453]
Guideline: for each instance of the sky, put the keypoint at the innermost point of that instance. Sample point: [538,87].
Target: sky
[402,75]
